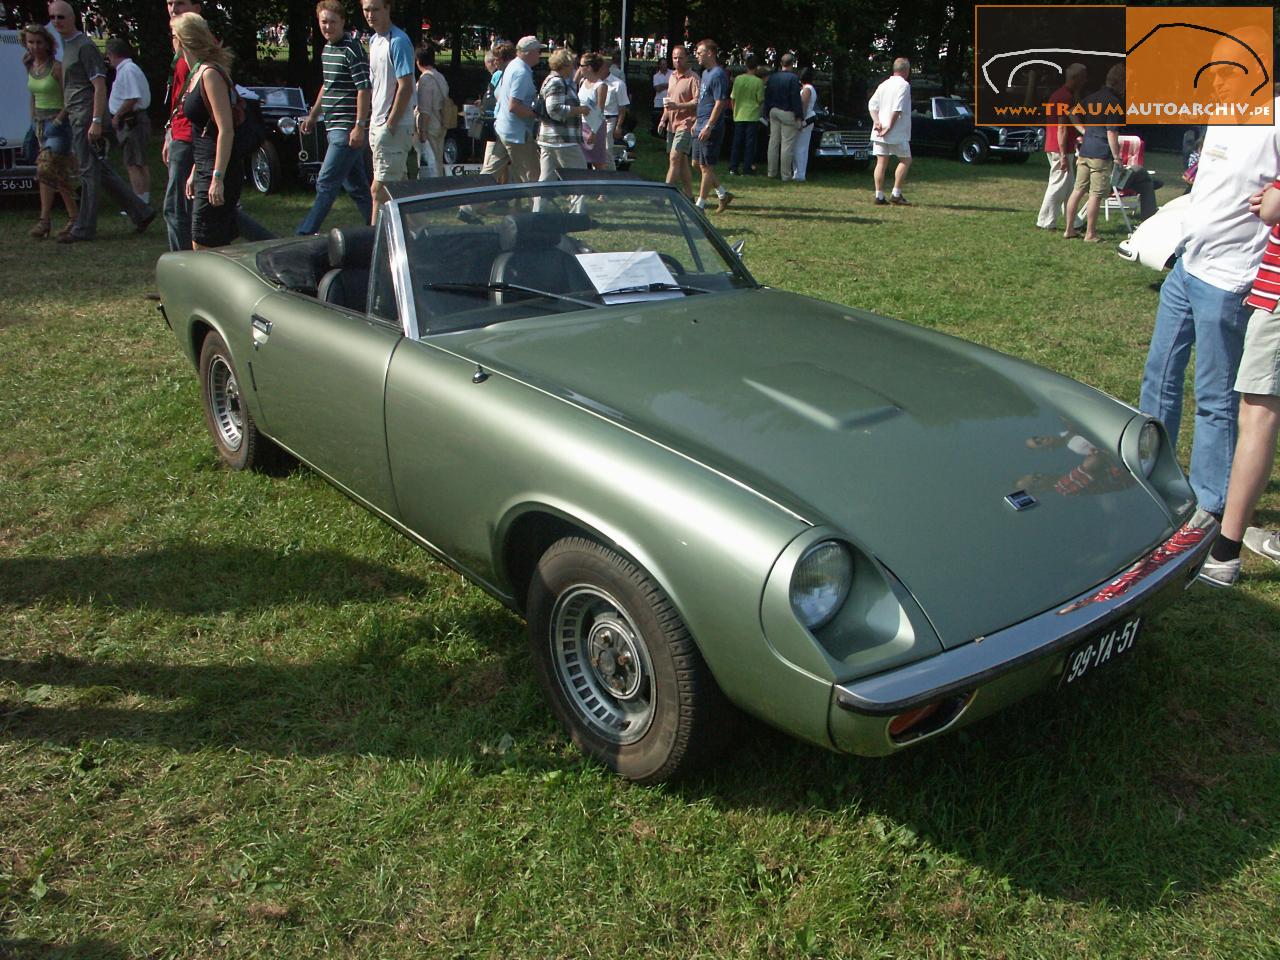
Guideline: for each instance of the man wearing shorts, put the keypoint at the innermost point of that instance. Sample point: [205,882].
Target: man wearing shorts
[391,80]
[678,117]
[890,108]
[708,127]
[128,103]
[1258,384]
[1097,154]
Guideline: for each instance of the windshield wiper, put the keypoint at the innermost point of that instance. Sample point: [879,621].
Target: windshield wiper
[654,288]
[503,287]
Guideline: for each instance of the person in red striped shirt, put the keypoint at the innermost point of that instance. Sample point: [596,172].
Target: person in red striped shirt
[1258,384]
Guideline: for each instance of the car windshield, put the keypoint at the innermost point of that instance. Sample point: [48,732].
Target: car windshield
[482,258]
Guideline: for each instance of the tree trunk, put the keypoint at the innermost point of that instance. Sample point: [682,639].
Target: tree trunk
[297,36]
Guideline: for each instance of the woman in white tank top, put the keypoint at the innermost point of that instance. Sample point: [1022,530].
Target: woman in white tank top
[809,99]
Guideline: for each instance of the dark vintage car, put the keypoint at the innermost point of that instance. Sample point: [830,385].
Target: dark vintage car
[945,125]
[696,489]
[290,154]
[836,140]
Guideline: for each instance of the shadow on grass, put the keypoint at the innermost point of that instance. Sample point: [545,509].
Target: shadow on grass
[192,578]
[1147,786]
[394,693]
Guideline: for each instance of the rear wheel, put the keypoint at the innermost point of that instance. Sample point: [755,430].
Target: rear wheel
[235,436]
[618,665]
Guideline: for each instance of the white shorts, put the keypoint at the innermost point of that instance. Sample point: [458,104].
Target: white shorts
[1260,363]
[900,150]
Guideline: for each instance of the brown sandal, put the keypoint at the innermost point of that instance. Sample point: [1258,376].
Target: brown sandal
[41,229]
[66,231]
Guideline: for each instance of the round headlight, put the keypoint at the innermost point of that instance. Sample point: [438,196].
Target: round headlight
[630,140]
[830,138]
[821,582]
[287,125]
[1002,133]
[1148,447]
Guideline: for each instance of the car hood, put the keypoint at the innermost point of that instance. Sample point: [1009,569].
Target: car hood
[904,439]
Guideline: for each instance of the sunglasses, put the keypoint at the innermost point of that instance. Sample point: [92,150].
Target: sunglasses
[59,16]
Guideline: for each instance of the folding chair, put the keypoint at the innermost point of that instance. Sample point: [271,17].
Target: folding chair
[1132,155]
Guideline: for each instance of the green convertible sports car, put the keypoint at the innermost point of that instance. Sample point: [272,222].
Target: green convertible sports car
[697,490]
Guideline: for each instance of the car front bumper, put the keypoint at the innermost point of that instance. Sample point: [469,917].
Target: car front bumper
[991,672]
[1013,149]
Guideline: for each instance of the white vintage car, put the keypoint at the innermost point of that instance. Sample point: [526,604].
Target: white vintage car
[1158,241]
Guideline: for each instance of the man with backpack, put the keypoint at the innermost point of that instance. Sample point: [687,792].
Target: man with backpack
[344,100]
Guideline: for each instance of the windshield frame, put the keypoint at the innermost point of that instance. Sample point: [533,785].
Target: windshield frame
[394,209]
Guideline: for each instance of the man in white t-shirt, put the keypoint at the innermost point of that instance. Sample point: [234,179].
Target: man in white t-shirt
[128,101]
[616,102]
[1202,300]
[391,81]
[890,108]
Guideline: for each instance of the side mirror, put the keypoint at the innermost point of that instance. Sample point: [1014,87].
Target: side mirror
[738,248]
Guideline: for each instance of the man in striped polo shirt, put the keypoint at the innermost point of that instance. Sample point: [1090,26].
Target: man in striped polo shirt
[1258,384]
[344,100]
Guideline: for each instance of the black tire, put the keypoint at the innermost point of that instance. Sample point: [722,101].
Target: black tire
[265,172]
[644,705]
[235,436]
[973,149]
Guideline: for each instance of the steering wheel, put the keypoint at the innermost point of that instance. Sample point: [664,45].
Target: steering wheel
[675,266]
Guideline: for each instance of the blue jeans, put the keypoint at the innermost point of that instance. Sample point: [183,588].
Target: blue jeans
[177,208]
[743,154]
[343,169]
[1193,313]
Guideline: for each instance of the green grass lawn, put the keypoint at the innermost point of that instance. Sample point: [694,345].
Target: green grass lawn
[239,717]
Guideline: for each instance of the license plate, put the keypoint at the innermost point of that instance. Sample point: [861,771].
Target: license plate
[860,154]
[18,185]
[1027,147]
[1100,650]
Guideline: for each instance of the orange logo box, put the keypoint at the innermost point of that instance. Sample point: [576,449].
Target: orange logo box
[1199,65]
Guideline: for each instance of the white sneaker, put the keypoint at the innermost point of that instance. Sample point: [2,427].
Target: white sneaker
[1220,573]
[1265,543]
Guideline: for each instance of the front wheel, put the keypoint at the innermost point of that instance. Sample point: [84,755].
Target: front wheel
[618,665]
[973,149]
[264,168]
[451,151]
[235,436]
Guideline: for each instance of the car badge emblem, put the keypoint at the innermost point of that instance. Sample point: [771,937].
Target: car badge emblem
[1021,500]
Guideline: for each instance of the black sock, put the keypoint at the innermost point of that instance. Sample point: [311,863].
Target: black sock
[1224,548]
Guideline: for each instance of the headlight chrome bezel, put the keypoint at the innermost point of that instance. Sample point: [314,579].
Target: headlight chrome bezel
[1149,446]
[821,582]
[287,125]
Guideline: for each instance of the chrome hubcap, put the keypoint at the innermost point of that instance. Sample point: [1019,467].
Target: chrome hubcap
[261,171]
[602,664]
[224,397]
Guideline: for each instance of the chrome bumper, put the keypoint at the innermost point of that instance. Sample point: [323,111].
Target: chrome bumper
[998,669]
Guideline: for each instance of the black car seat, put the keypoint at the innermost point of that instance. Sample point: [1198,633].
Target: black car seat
[347,281]
[530,254]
